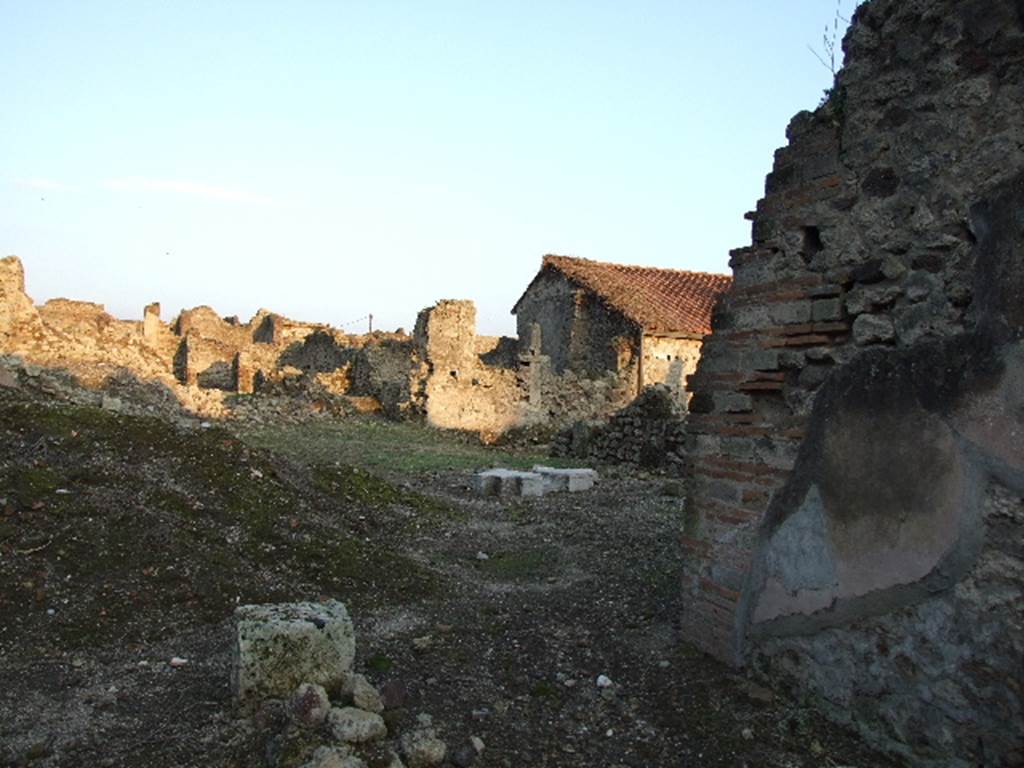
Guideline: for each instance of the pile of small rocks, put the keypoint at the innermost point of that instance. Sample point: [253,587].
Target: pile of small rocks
[335,718]
[649,432]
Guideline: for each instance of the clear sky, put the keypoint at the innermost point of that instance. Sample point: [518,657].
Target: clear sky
[331,159]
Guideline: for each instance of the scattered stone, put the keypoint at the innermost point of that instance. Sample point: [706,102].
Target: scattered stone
[355,726]
[747,734]
[422,643]
[464,756]
[365,696]
[334,757]
[310,704]
[176,662]
[604,681]
[478,744]
[394,694]
[422,748]
[112,404]
[280,646]
[482,556]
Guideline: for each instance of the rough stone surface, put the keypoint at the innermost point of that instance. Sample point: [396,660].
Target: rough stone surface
[870,329]
[354,725]
[310,705]
[840,496]
[365,696]
[422,748]
[280,646]
[649,432]
[334,757]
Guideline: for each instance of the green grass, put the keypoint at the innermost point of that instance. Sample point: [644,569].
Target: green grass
[523,564]
[156,518]
[390,447]
[379,663]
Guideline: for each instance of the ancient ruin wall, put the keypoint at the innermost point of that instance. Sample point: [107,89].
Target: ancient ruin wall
[199,357]
[495,384]
[856,429]
[650,432]
[669,360]
[578,332]
[17,312]
[459,390]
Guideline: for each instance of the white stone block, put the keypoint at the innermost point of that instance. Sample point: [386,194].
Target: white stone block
[567,479]
[509,482]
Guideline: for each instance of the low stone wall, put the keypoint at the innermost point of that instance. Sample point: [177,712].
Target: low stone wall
[649,432]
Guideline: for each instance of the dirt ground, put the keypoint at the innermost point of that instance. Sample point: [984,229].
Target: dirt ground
[126,542]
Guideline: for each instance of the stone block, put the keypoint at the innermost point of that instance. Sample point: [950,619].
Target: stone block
[826,309]
[571,480]
[355,726]
[509,482]
[282,645]
[868,329]
[8,379]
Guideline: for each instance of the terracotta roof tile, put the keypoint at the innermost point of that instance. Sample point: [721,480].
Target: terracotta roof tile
[665,300]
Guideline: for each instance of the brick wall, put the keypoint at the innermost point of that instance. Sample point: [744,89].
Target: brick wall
[850,415]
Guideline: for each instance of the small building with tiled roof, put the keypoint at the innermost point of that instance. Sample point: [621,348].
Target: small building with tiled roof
[594,318]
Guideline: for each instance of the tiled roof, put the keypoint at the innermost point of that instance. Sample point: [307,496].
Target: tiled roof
[658,300]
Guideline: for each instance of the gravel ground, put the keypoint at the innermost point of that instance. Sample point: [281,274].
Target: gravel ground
[125,542]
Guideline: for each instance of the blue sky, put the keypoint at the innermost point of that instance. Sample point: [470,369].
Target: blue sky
[331,159]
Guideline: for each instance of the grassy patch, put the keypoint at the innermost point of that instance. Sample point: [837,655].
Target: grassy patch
[159,524]
[356,485]
[522,565]
[379,663]
[399,447]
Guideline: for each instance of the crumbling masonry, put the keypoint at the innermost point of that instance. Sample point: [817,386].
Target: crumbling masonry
[445,372]
[855,518]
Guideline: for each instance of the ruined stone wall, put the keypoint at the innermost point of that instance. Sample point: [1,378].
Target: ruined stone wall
[199,357]
[387,371]
[457,389]
[17,312]
[669,360]
[205,323]
[577,331]
[856,465]
[549,309]
[570,396]
[603,340]
[484,384]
